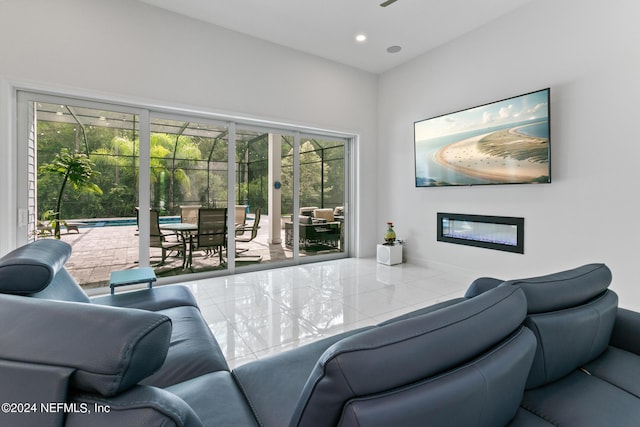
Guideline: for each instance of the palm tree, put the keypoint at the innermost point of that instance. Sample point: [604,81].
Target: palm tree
[75,169]
[170,158]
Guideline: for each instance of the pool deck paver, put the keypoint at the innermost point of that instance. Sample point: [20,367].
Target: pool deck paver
[97,251]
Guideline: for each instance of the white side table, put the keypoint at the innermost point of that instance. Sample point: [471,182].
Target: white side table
[389,254]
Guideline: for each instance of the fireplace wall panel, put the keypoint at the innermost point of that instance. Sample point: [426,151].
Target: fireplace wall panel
[491,232]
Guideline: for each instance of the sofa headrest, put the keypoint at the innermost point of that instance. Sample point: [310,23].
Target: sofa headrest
[410,350]
[565,289]
[570,338]
[110,348]
[30,268]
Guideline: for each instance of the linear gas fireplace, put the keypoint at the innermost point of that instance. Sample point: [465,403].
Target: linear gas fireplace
[502,233]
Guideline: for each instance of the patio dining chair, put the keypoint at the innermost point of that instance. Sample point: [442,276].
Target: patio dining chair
[189,214]
[240,219]
[158,239]
[253,229]
[212,231]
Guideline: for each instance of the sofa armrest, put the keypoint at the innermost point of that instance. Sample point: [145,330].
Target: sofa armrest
[272,385]
[482,285]
[141,405]
[626,331]
[156,299]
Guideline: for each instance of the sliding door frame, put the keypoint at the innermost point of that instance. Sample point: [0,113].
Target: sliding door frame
[24,94]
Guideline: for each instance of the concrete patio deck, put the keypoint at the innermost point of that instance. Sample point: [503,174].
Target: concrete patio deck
[96,251]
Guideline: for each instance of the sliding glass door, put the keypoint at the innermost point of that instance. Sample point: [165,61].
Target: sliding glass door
[322,195]
[188,194]
[262,191]
[130,186]
[82,182]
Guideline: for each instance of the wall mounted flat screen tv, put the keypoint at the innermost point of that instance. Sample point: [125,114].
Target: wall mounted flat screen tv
[504,142]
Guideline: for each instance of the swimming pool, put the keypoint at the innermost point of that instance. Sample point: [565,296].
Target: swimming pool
[117,222]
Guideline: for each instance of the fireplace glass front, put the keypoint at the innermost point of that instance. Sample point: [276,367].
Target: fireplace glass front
[492,232]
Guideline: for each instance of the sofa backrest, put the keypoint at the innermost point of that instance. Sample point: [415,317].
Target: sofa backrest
[565,289]
[465,364]
[84,353]
[572,314]
[37,270]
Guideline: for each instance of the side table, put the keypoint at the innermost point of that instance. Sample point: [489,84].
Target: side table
[389,254]
[132,277]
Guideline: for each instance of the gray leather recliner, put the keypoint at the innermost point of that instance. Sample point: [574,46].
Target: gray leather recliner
[407,372]
[105,364]
[588,359]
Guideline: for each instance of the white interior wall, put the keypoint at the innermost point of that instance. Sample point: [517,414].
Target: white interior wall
[587,53]
[129,51]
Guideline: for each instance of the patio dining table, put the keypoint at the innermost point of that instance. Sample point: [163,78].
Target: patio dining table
[185,230]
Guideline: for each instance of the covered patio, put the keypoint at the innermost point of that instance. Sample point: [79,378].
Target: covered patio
[96,251]
[181,162]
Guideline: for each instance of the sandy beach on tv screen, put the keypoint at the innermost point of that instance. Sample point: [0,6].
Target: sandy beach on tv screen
[498,161]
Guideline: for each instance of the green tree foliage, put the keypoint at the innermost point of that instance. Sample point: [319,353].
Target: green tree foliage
[310,177]
[118,162]
[252,171]
[75,169]
[175,160]
[184,170]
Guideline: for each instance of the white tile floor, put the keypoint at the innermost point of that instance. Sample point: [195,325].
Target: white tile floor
[260,313]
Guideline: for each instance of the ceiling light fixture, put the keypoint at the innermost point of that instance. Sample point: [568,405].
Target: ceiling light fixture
[361,37]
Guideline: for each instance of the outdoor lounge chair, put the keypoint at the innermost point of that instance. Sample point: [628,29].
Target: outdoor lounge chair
[325,214]
[72,226]
[44,228]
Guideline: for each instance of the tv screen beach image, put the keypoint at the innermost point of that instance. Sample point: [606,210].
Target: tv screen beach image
[505,142]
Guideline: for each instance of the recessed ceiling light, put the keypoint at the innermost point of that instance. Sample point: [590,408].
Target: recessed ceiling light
[394,49]
[361,37]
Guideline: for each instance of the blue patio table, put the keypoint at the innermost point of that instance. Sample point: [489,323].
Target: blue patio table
[132,277]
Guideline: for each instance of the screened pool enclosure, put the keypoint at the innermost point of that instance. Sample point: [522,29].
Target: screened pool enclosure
[173,164]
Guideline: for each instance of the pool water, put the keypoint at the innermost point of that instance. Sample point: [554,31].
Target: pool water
[117,222]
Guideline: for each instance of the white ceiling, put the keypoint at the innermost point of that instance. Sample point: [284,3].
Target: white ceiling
[327,28]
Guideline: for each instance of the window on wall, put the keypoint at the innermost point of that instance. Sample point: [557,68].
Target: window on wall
[281,193]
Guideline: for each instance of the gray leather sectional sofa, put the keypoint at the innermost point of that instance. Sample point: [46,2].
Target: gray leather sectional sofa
[545,351]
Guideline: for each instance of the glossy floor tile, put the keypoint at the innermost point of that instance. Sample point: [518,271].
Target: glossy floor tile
[261,313]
